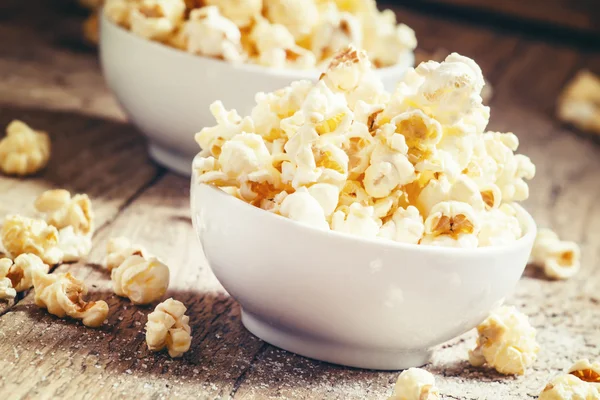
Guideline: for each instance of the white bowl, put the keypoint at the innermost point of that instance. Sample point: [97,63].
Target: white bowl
[167,92]
[347,300]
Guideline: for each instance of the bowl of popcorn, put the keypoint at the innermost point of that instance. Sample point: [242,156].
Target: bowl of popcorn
[364,227]
[167,61]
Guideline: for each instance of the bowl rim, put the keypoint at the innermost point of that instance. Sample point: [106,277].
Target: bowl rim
[289,73]
[526,220]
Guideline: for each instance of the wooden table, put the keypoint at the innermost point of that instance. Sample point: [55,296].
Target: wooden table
[52,81]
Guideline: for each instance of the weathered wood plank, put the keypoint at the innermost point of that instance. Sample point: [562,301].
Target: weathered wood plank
[44,357]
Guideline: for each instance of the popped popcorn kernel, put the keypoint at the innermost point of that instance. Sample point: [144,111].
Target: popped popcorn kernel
[27,235]
[168,327]
[207,32]
[73,245]
[581,382]
[579,103]
[415,166]
[62,210]
[560,259]
[21,272]
[239,12]
[62,295]
[298,16]
[142,280]
[118,249]
[506,342]
[156,19]
[23,151]
[415,384]
[6,288]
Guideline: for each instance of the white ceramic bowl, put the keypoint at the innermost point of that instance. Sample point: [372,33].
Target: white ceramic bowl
[167,92]
[347,300]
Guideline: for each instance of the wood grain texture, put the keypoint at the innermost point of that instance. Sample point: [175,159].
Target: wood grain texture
[43,357]
[576,14]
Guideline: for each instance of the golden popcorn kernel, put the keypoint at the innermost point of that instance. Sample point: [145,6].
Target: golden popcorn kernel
[587,375]
[453,226]
[215,146]
[151,10]
[23,151]
[168,327]
[61,210]
[372,121]
[329,125]
[324,159]
[566,259]
[488,198]
[142,280]
[27,235]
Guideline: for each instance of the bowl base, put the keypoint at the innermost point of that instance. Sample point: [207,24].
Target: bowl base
[335,353]
[170,159]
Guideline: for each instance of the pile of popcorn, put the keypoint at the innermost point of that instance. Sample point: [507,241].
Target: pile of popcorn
[62,232]
[298,34]
[342,154]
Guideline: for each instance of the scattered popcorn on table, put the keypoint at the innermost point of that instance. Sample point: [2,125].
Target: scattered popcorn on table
[299,34]
[168,327]
[21,272]
[560,259]
[582,382]
[415,166]
[118,249]
[415,384]
[62,295]
[142,279]
[23,151]
[74,246]
[579,103]
[6,288]
[506,342]
[27,235]
[62,210]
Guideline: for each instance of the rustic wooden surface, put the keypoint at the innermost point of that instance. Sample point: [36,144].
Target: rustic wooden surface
[51,80]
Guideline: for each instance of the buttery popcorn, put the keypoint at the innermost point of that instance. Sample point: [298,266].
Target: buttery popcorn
[416,166]
[506,342]
[27,235]
[560,259]
[168,327]
[415,384]
[62,210]
[118,249]
[23,151]
[579,103]
[141,279]
[21,272]
[62,295]
[74,246]
[299,34]
[6,288]
[581,382]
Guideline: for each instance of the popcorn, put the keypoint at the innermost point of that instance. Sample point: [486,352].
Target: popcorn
[506,342]
[6,288]
[298,16]
[415,384]
[23,151]
[241,13]
[356,220]
[168,327]
[26,235]
[299,34]
[406,226]
[452,222]
[74,246]
[22,271]
[62,295]
[142,279]
[277,47]
[300,206]
[62,210]
[343,154]
[581,382]
[209,33]
[156,19]
[118,249]
[579,102]
[560,259]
